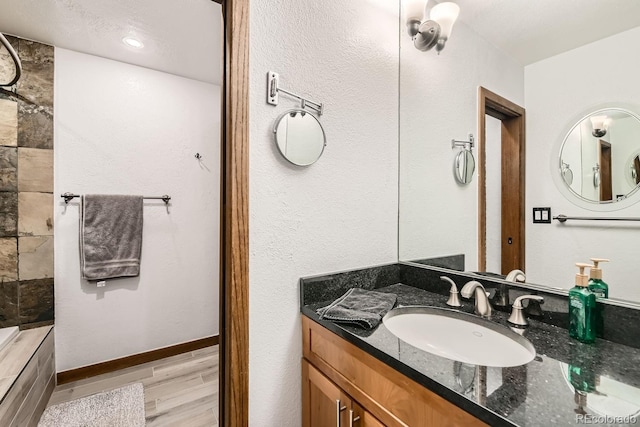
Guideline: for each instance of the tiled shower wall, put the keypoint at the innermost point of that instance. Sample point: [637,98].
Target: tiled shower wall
[26,188]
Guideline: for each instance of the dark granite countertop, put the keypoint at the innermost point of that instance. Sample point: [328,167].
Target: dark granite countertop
[536,394]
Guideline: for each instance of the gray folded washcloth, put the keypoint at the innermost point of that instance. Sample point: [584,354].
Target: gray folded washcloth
[110,236]
[359,307]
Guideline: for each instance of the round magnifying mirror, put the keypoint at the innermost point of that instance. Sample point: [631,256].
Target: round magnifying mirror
[9,63]
[299,137]
[601,149]
[464,166]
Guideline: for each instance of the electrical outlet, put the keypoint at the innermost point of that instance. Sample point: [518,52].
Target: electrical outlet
[542,215]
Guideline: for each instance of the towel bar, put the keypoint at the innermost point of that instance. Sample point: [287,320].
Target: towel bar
[70,196]
[564,218]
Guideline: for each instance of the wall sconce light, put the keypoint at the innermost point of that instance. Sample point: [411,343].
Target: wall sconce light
[599,124]
[429,30]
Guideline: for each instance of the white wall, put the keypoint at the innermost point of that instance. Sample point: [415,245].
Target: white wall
[340,213]
[439,102]
[129,130]
[557,91]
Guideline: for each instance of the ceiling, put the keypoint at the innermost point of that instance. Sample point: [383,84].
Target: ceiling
[184,37]
[532,30]
[181,37]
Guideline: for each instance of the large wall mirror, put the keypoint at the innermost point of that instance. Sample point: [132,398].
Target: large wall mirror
[575,77]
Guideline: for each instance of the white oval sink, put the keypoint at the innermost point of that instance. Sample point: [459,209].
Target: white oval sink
[459,336]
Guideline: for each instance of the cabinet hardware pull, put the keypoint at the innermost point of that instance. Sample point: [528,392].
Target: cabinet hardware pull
[352,419]
[339,408]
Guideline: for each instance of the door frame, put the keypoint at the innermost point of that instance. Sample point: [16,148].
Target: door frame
[512,117]
[234,219]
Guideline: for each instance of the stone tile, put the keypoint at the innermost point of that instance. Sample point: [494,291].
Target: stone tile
[36,300]
[30,51]
[9,304]
[35,214]
[36,83]
[35,258]
[8,122]
[8,169]
[35,126]
[8,259]
[35,170]
[8,214]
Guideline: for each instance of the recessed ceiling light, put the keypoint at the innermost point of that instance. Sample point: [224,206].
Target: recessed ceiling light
[133,42]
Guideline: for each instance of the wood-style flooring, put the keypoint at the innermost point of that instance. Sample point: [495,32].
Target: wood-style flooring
[181,390]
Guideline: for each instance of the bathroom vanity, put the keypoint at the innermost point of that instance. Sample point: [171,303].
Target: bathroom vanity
[354,377]
[345,385]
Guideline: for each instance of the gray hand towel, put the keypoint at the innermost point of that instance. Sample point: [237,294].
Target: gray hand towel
[110,236]
[359,307]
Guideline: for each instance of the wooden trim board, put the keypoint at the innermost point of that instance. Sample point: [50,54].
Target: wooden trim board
[133,360]
[234,271]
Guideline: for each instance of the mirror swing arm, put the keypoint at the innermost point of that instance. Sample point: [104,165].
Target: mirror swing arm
[273,79]
[455,143]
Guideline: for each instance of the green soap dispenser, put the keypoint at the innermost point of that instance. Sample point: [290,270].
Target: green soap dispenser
[601,290]
[582,307]
[596,284]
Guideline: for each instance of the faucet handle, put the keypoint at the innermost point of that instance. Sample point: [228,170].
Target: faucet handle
[453,300]
[517,316]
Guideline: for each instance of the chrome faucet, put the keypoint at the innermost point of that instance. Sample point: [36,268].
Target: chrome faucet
[501,298]
[483,308]
[517,314]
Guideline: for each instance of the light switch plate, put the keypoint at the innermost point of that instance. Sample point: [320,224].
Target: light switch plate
[542,215]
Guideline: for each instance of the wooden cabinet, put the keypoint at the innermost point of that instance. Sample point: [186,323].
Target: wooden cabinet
[334,369]
[324,404]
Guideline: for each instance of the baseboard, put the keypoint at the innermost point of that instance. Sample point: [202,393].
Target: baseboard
[133,360]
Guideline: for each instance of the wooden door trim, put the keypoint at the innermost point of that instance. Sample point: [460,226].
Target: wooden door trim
[234,236]
[506,111]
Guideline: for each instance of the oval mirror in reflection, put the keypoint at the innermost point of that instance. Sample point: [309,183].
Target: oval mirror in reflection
[603,149]
[633,169]
[299,137]
[464,166]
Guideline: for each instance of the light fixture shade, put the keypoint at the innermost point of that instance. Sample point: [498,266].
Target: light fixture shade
[599,124]
[445,14]
[413,10]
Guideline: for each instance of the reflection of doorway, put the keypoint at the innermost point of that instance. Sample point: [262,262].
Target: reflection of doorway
[512,177]
[604,160]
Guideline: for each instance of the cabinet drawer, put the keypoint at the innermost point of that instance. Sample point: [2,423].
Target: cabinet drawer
[390,396]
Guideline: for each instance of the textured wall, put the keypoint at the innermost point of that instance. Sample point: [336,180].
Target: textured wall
[438,102]
[26,186]
[122,129]
[559,91]
[339,213]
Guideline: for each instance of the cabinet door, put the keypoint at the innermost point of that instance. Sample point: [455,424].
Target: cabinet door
[323,403]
